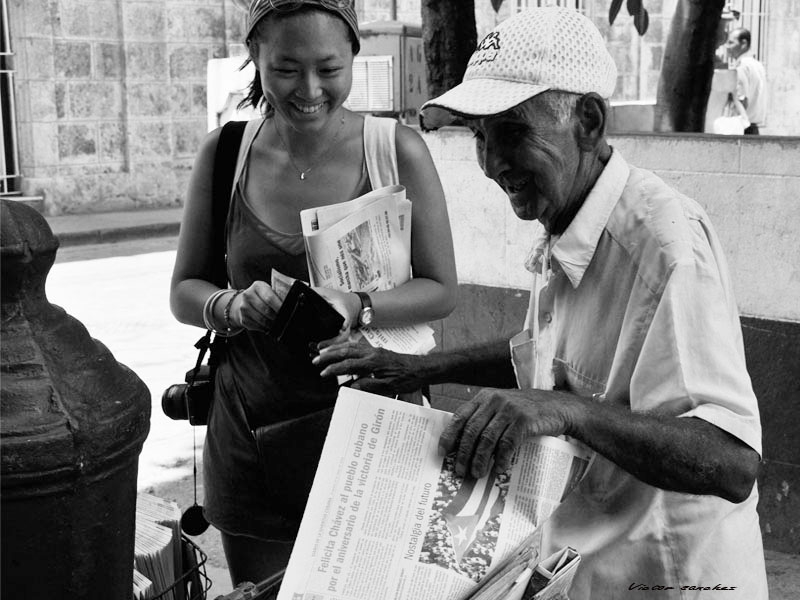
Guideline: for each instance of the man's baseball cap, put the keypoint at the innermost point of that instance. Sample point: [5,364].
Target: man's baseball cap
[534,51]
[342,8]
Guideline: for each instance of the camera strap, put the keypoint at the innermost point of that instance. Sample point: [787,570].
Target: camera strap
[193,520]
[203,344]
[225,157]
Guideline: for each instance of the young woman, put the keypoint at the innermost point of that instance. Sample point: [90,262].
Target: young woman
[307,151]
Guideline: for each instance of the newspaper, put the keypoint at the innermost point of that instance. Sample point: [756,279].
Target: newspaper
[364,245]
[523,576]
[388,518]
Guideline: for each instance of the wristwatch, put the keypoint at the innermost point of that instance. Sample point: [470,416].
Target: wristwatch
[367,313]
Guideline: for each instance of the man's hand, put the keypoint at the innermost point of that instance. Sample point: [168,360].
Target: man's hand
[497,422]
[379,371]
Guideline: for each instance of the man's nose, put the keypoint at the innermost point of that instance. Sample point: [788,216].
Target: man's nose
[492,159]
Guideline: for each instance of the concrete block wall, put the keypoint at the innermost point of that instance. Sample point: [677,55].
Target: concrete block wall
[749,188]
[111,96]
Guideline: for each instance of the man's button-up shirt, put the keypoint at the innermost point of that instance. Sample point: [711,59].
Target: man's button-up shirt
[633,305]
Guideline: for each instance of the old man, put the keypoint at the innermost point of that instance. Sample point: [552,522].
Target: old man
[632,343]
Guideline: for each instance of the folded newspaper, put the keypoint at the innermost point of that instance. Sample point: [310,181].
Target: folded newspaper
[388,518]
[364,245]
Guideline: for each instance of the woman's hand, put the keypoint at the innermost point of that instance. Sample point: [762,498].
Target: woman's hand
[255,307]
[379,371]
[346,304]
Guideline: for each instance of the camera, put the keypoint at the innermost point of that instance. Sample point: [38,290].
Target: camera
[190,400]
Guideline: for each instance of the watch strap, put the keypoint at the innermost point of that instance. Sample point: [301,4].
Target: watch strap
[366,314]
[366,301]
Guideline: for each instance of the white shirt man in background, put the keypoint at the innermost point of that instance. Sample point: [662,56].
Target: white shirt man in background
[751,84]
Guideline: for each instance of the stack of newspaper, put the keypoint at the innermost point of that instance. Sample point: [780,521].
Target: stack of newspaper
[522,576]
[157,550]
[142,587]
[364,245]
[388,517]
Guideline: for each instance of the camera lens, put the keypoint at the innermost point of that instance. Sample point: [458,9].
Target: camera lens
[173,402]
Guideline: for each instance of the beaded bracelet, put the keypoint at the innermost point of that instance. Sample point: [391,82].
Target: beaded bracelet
[227,313]
[208,313]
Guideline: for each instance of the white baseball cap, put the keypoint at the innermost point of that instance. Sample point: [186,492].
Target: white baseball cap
[534,51]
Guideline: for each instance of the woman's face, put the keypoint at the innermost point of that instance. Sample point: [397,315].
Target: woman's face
[306,65]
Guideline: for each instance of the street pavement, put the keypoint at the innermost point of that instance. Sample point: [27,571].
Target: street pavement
[120,292]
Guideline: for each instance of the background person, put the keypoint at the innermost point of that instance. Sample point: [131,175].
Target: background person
[632,344]
[307,151]
[751,79]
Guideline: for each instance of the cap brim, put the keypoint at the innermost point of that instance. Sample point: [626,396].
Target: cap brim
[476,98]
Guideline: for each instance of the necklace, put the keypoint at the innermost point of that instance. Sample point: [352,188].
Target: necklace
[322,159]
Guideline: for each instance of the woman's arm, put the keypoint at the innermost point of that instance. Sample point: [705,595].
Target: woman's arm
[431,293]
[191,285]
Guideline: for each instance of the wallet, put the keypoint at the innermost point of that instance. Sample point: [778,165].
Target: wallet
[305,317]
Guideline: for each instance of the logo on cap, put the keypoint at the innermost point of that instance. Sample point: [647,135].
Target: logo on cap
[487,50]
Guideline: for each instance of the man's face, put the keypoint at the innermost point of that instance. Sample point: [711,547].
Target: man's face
[734,46]
[535,159]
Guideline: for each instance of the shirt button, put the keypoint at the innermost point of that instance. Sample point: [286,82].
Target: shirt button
[548,317]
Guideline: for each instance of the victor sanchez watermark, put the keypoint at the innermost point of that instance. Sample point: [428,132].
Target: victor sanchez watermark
[643,587]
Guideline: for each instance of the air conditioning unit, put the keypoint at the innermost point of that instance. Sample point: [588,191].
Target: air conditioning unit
[373,85]
[389,72]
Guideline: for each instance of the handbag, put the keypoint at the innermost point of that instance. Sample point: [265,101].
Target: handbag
[289,452]
[732,121]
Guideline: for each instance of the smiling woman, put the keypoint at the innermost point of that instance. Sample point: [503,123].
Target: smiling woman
[306,151]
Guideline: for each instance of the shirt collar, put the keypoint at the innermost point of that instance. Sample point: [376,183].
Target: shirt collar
[574,249]
[746,54]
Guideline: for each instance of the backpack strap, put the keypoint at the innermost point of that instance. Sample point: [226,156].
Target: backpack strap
[230,138]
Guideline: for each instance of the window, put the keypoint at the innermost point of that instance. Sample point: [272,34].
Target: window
[753,17]
[9,163]
[576,4]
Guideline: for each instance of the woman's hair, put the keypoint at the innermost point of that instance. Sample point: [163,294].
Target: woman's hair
[255,93]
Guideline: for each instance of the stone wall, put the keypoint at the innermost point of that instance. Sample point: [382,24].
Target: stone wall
[111,96]
[638,58]
[749,188]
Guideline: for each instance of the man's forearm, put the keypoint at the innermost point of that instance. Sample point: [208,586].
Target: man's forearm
[681,454]
[487,365]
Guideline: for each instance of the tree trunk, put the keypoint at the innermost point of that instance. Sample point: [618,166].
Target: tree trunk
[449,38]
[688,66]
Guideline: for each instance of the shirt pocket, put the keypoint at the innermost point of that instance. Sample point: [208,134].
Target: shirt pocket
[605,483]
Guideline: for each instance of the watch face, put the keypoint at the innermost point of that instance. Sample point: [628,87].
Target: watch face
[366,315]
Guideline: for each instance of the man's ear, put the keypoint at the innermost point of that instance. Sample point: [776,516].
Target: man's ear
[592,113]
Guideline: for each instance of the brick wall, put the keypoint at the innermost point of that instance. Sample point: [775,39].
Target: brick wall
[111,96]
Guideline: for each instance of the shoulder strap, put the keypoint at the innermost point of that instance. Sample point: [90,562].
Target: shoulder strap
[230,137]
[380,152]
